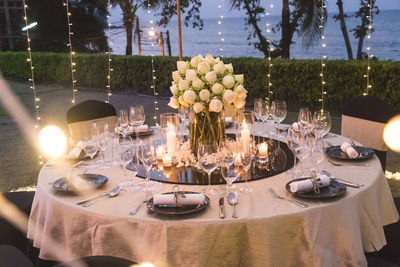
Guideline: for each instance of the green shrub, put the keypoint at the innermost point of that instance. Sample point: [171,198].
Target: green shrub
[296,81]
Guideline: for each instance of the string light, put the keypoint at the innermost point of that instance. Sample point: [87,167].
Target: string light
[323,56]
[219,28]
[71,52]
[109,94]
[36,99]
[152,33]
[369,32]
[270,49]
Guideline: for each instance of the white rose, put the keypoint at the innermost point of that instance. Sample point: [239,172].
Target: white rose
[203,67]
[198,107]
[182,101]
[190,74]
[182,65]
[217,60]
[210,59]
[229,96]
[229,67]
[240,90]
[239,103]
[228,81]
[194,62]
[200,57]
[239,78]
[189,96]
[176,76]
[219,68]
[183,85]
[211,77]
[217,88]
[215,105]
[173,102]
[197,83]
[204,94]
[173,89]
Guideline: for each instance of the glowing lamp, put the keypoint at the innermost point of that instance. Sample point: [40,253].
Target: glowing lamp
[151,33]
[52,141]
[391,134]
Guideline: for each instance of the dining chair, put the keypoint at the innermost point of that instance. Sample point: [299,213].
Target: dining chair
[363,119]
[81,116]
[11,256]
[98,261]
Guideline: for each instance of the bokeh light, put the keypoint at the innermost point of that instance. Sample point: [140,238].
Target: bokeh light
[52,141]
[391,134]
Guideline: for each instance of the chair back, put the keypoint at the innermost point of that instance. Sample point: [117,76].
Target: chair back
[363,119]
[81,116]
[98,261]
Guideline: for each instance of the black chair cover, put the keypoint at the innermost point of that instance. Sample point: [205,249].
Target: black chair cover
[373,109]
[89,110]
[12,257]
[99,261]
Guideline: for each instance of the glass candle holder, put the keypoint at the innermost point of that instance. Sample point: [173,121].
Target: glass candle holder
[169,123]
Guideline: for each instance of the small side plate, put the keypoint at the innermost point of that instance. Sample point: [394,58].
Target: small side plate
[94,180]
[337,153]
[335,189]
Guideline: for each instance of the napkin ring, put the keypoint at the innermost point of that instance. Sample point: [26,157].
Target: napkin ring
[314,182]
[177,193]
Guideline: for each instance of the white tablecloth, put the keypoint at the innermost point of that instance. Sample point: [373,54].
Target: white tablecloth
[269,231]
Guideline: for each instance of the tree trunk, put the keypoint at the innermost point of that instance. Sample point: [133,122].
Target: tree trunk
[285,29]
[139,38]
[344,29]
[361,40]
[128,23]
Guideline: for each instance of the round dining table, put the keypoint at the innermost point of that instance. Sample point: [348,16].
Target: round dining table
[268,231]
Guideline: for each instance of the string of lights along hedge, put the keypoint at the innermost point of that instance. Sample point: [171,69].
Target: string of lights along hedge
[152,35]
[370,5]
[109,70]
[270,49]
[71,52]
[220,27]
[36,98]
[323,56]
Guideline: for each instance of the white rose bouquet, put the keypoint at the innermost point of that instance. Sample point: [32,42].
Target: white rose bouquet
[206,85]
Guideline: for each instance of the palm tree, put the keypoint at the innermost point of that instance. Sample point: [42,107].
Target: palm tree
[342,18]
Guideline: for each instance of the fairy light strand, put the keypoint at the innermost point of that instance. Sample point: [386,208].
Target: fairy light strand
[219,28]
[152,33]
[71,52]
[36,99]
[109,94]
[270,49]
[369,48]
[323,57]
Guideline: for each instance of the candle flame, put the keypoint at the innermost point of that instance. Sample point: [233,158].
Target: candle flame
[170,126]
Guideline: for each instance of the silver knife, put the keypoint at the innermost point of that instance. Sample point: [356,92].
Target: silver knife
[221,208]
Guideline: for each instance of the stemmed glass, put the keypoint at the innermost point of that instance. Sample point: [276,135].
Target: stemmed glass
[304,120]
[279,112]
[184,113]
[229,170]
[123,121]
[246,154]
[317,154]
[321,123]
[125,154]
[207,156]
[90,147]
[147,156]
[136,118]
[299,146]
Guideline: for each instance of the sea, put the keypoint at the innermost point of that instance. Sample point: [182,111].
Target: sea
[385,40]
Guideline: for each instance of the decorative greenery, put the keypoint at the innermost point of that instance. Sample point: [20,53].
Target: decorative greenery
[296,81]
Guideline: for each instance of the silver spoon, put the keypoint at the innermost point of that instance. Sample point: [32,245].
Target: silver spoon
[233,199]
[113,193]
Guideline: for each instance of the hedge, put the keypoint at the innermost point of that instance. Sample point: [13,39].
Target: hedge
[296,81]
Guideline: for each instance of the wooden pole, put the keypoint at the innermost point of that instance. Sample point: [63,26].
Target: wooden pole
[178,7]
[162,43]
[168,44]
[138,32]
[8,26]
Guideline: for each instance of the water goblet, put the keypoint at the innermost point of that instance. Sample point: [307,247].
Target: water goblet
[207,156]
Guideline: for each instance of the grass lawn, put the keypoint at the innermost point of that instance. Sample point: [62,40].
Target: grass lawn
[19,162]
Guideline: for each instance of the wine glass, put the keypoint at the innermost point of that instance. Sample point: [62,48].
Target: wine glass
[298,144]
[304,119]
[125,154]
[246,158]
[207,156]
[123,120]
[289,141]
[279,112]
[258,109]
[90,147]
[229,170]
[147,156]
[317,154]
[321,123]
[136,118]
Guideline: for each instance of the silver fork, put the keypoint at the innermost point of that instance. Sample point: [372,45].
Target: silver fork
[146,198]
[276,195]
[352,164]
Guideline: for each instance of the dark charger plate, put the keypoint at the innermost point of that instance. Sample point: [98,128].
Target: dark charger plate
[334,189]
[149,132]
[337,153]
[177,210]
[94,180]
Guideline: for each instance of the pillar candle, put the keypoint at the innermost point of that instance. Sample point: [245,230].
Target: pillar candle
[171,141]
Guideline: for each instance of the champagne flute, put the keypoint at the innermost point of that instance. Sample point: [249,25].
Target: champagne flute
[148,158]
[246,158]
[279,112]
[317,154]
[207,156]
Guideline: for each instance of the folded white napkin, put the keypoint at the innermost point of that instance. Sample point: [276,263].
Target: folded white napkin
[78,183]
[169,199]
[142,129]
[76,151]
[228,119]
[307,185]
[347,148]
